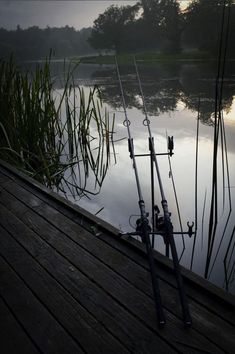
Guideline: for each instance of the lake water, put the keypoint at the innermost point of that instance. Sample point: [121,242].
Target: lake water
[172,95]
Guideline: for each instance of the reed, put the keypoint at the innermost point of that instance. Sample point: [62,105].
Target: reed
[196,184]
[218,132]
[60,140]
[203,219]
[229,275]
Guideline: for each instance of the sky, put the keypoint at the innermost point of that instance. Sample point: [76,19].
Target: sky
[43,13]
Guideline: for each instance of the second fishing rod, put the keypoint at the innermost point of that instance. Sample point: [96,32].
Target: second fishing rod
[143,225]
[167,227]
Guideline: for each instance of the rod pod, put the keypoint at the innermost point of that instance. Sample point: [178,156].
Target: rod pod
[167,219]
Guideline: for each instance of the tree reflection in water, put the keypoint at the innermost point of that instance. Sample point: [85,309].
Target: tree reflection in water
[164,85]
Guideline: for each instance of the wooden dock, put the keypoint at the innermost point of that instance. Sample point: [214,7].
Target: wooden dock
[69,284]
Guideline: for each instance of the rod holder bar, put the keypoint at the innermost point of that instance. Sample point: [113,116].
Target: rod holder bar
[156,154]
[154,233]
[143,228]
[174,233]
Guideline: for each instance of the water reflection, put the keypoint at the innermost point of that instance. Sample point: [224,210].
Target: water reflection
[172,94]
[165,85]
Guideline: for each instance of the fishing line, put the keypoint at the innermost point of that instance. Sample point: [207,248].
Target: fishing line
[196,183]
[146,122]
[177,205]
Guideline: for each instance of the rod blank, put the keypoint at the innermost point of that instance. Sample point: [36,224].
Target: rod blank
[144,220]
[167,219]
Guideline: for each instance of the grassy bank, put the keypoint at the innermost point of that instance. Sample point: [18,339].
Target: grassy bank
[126,58]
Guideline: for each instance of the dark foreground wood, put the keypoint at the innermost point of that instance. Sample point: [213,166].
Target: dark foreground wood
[69,284]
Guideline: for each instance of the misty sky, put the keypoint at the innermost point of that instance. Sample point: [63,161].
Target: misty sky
[44,13]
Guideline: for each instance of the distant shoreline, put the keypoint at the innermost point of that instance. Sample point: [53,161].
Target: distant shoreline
[149,57]
[127,58]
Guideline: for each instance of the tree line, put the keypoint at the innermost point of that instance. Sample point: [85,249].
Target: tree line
[149,25]
[161,25]
[35,43]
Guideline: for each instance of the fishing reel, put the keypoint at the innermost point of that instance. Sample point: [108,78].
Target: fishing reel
[159,223]
[160,226]
[143,227]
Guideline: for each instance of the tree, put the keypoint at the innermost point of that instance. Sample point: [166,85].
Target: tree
[148,25]
[151,21]
[35,43]
[162,20]
[170,24]
[110,28]
[203,23]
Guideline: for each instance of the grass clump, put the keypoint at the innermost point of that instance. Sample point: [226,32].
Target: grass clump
[58,139]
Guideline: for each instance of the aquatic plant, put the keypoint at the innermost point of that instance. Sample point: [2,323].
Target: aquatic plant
[58,139]
[219,137]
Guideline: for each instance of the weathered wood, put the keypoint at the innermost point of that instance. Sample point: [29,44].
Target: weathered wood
[99,283]
[207,323]
[110,313]
[42,328]
[131,298]
[13,337]
[199,290]
[220,299]
[83,327]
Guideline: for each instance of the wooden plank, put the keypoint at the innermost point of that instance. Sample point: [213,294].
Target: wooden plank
[113,284]
[42,328]
[84,217]
[124,247]
[108,312]
[83,327]
[206,323]
[200,291]
[13,338]
[198,296]
[205,297]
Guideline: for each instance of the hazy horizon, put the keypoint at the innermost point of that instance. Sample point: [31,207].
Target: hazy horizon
[43,13]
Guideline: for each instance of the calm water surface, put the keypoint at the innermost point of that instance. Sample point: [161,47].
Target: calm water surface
[172,95]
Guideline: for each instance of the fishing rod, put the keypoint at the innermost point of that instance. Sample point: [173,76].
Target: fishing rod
[143,227]
[167,227]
